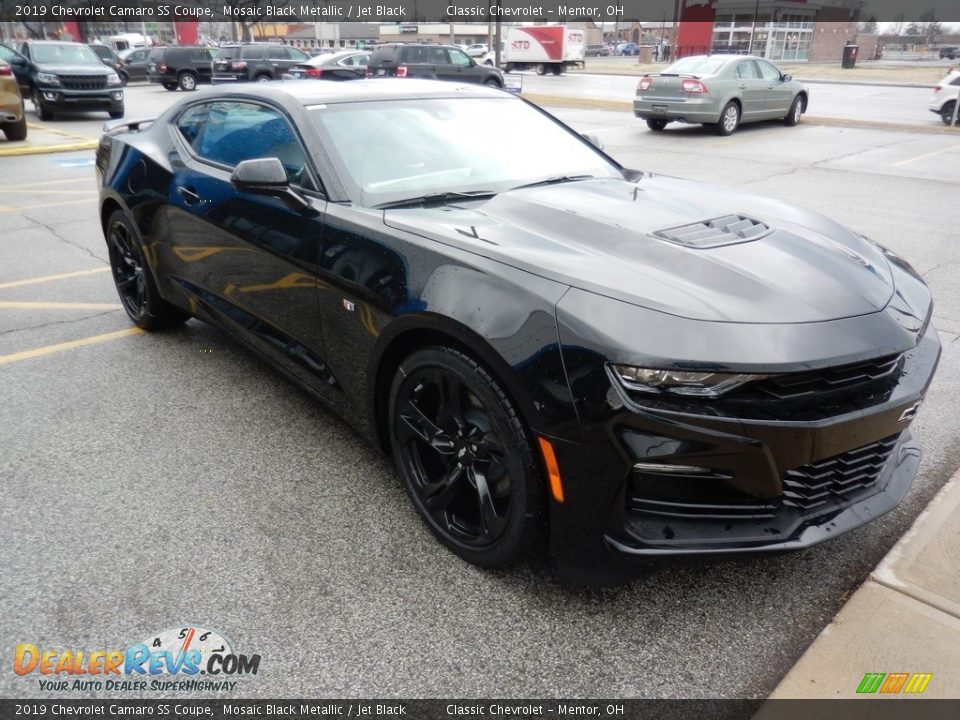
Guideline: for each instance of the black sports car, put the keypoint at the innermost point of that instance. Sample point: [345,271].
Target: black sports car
[550,345]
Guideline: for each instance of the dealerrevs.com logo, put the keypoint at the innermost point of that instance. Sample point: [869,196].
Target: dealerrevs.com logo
[172,659]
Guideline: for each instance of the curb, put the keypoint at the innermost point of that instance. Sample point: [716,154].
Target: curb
[621,106]
[82,142]
[905,618]
[812,81]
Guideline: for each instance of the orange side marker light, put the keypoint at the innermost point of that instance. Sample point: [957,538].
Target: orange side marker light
[553,470]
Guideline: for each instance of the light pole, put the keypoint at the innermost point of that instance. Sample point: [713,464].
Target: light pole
[753,27]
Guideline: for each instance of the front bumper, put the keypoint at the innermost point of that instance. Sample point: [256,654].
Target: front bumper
[67,99]
[775,482]
[692,109]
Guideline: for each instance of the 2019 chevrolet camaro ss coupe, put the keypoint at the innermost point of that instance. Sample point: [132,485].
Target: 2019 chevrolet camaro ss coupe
[552,347]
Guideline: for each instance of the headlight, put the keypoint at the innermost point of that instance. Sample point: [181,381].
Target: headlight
[48,79]
[114,79]
[681,382]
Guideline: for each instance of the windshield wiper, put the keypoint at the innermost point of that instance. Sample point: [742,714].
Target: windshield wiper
[438,198]
[554,181]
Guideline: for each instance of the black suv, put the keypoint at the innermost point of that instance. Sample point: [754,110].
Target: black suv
[183,66]
[69,77]
[438,62]
[259,62]
[949,52]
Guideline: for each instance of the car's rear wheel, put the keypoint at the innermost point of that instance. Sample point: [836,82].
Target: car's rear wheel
[264,78]
[796,112]
[16,130]
[43,113]
[171,86]
[138,294]
[729,119]
[541,69]
[557,69]
[946,113]
[187,82]
[656,125]
[465,458]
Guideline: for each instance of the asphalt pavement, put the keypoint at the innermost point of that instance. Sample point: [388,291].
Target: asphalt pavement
[151,481]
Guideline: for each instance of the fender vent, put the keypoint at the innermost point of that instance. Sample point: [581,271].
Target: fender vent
[726,230]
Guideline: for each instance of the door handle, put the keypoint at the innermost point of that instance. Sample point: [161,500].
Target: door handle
[189,195]
[742,86]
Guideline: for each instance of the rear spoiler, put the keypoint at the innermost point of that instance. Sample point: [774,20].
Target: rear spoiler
[115,127]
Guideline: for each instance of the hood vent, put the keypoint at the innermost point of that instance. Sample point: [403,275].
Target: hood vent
[726,230]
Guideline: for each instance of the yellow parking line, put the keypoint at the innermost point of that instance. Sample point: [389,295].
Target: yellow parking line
[60,347]
[55,131]
[46,149]
[926,155]
[51,278]
[17,208]
[38,305]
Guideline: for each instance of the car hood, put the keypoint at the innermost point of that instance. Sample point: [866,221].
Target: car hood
[91,69]
[607,236]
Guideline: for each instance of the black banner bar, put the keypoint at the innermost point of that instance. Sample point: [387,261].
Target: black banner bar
[419,11]
[390,709]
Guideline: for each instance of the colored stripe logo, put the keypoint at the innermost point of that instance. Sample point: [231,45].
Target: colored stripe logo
[894,683]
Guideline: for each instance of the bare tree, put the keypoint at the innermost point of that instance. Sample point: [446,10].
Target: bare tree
[246,22]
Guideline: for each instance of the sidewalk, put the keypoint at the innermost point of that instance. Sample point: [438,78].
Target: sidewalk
[904,619]
[42,139]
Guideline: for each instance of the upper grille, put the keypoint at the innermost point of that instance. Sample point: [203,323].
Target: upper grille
[829,380]
[725,230]
[84,82]
[838,478]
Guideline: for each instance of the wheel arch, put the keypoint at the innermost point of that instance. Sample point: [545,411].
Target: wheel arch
[803,98]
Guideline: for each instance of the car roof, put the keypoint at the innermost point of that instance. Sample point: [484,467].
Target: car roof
[371,90]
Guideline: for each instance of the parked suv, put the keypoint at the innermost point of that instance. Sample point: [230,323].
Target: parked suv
[69,77]
[258,62]
[182,67]
[423,60]
[949,52]
[109,58]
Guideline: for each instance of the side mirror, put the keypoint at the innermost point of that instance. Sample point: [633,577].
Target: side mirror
[593,140]
[266,176]
[18,60]
[786,77]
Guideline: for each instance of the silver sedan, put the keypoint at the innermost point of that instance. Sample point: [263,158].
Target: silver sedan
[719,90]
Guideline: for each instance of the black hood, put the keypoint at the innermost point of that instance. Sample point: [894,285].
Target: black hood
[611,237]
[74,69]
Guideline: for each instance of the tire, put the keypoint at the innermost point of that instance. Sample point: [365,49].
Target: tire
[171,86]
[124,78]
[729,119]
[459,445]
[116,114]
[16,130]
[541,69]
[795,112]
[187,82]
[946,113]
[132,278]
[263,77]
[656,125]
[43,113]
[557,70]
[493,82]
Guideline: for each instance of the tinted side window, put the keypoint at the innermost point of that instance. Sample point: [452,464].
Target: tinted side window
[747,70]
[192,122]
[278,52]
[237,131]
[768,71]
[298,55]
[437,56]
[199,55]
[254,53]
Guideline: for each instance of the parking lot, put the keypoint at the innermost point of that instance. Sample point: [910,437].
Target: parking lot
[155,480]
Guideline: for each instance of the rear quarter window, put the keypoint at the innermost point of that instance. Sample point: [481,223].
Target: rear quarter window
[254,53]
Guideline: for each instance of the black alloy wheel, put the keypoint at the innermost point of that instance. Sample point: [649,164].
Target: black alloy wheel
[656,125]
[465,458]
[138,295]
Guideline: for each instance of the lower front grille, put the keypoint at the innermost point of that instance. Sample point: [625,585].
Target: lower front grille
[84,82]
[838,478]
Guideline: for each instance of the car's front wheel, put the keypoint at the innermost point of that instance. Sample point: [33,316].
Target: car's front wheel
[796,112]
[729,119]
[116,114]
[656,125]
[946,113]
[465,457]
[493,82]
[42,112]
[171,86]
[138,294]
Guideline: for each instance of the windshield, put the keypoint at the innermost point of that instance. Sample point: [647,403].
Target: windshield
[63,54]
[695,66]
[397,149]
